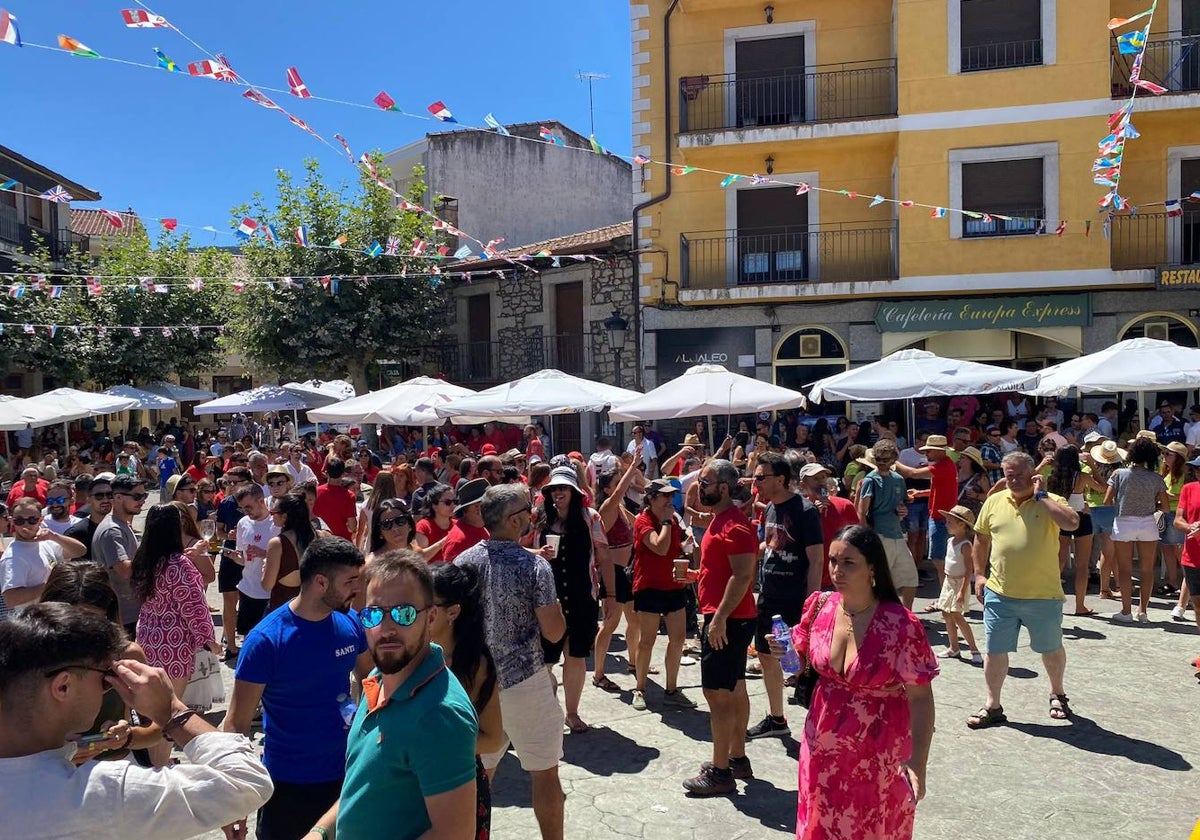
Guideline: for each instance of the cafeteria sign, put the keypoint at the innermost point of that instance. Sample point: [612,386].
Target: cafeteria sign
[985,313]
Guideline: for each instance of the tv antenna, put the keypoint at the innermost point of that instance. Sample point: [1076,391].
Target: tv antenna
[591,78]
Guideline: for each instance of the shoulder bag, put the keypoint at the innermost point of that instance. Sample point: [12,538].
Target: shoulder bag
[806,682]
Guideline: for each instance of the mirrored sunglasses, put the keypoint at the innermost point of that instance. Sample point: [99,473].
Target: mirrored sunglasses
[402,614]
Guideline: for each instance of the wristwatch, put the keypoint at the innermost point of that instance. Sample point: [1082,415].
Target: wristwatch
[1039,495]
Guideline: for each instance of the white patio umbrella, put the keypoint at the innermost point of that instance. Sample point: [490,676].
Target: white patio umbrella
[339,389]
[74,404]
[179,393]
[16,414]
[548,391]
[409,403]
[910,374]
[1137,364]
[266,398]
[145,399]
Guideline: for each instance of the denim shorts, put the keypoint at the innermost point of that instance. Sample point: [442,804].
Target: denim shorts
[1103,519]
[917,518]
[1003,618]
[1172,535]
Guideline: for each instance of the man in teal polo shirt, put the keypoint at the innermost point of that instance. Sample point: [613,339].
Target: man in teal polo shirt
[410,759]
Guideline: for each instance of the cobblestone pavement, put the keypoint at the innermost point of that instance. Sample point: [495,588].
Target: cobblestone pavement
[1123,767]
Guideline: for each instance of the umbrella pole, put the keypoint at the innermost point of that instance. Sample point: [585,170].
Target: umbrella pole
[711,451]
[1141,417]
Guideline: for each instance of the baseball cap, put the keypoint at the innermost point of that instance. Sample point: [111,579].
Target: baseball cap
[813,470]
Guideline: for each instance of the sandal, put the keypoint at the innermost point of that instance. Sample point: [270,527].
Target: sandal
[986,717]
[1063,710]
[576,725]
[932,608]
[605,684]
[1087,611]
[632,670]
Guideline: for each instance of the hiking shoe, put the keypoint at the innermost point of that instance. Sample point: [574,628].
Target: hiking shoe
[711,782]
[639,700]
[678,699]
[740,767]
[769,727]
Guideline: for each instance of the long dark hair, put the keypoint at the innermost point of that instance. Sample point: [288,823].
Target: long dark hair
[603,482]
[867,541]
[81,584]
[460,585]
[1065,471]
[574,523]
[296,519]
[162,540]
[384,507]
[434,493]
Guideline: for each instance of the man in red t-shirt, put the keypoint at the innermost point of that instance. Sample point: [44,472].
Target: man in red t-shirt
[335,501]
[942,473]
[836,512]
[468,529]
[728,558]
[1187,519]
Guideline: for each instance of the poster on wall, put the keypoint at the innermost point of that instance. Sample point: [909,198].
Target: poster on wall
[730,347]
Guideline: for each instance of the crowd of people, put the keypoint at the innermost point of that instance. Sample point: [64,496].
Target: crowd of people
[403,612]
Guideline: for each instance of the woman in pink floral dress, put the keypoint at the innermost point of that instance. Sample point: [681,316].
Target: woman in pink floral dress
[174,622]
[866,737]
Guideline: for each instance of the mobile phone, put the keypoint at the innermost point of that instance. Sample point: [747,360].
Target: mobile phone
[92,739]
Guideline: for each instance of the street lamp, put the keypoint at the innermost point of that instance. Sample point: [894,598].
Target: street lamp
[616,326]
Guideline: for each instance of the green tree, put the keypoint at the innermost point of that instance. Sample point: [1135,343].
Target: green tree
[308,330]
[117,356]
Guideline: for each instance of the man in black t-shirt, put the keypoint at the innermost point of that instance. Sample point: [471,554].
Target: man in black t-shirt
[99,507]
[793,552]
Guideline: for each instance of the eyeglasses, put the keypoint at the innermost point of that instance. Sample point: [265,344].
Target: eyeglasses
[763,477]
[706,482]
[403,614]
[57,500]
[519,511]
[108,672]
[389,524]
[279,482]
[26,520]
[102,495]
[137,497]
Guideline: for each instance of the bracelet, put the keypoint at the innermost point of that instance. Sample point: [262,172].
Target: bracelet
[320,831]
[176,721]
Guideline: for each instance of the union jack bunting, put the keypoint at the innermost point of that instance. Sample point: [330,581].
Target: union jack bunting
[393,246]
[57,195]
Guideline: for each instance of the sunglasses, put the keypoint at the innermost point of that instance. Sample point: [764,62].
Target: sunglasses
[108,672]
[389,524]
[279,482]
[402,614]
[26,520]
[101,495]
[763,477]
[446,502]
[137,497]
[57,500]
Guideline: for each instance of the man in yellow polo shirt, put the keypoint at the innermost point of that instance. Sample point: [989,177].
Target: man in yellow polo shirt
[1017,533]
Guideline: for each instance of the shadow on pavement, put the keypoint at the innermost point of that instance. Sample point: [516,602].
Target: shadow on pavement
[606,752]
[772,807]
[511,786]
[1076,633]
[1022,674]
[1085,734]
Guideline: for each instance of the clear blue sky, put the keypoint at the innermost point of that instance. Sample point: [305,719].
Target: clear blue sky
[173,146]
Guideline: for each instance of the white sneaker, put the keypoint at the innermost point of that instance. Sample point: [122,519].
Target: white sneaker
[1177,613]
[948,654]
[639,700]
[687,660]
[1122,618]
[1143,618]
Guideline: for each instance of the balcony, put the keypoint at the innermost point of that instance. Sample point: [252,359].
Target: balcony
[1172,61]
[15,236]
[1001,56]
[1007,222]
[491,362]
[827,93]
[1154,240]
[847,252]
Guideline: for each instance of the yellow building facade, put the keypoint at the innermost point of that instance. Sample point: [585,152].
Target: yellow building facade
[993,106]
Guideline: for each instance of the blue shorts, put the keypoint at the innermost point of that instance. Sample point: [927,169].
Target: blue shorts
[1003,618]
[1103,519]
[917,518]
[1171,535]
[939,539]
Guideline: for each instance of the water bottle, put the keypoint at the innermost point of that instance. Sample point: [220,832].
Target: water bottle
[348,708]
[788,660]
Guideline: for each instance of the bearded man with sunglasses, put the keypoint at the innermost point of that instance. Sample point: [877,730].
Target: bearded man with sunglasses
[297,663]
[100,503]
[114,544]
[410,760]
[25,564]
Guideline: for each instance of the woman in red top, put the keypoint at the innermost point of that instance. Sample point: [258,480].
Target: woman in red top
[1187,519]
[657,542]
[435,525]
[197,468]
[617,523]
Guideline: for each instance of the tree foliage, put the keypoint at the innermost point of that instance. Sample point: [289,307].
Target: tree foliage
[117,356]
[310,331]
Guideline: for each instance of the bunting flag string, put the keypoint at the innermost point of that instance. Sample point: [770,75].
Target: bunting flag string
[102,330]
[1107,168]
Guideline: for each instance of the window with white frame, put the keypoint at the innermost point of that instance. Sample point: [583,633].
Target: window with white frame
[1001,34]
[1005,190]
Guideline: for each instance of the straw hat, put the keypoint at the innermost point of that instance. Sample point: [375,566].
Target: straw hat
[962,513]
[935,442]
[1108,453]
[867,460]
[975,455]
[691,440]
[1178,448]
[1148,435]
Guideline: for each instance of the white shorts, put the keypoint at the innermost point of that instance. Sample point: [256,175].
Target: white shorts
[1135,529]
[900,563]
[492,759]
[533,721]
